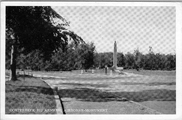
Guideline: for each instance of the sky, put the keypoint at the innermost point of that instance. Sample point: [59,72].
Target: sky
[131,27]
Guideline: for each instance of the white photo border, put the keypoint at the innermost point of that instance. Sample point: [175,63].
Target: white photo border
[176,116]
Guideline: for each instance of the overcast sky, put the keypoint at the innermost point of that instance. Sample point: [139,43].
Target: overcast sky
[131,27]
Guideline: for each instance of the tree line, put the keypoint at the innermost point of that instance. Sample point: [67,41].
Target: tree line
[84,56]
[137,60]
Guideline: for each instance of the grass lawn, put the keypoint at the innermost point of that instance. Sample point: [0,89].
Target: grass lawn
[155,89]
[29,96]
[152,72]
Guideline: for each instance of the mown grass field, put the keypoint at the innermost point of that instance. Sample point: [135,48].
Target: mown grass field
[153,72]
[154,89]
[29,96]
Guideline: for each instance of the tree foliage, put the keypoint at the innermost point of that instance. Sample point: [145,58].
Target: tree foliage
[30,28]
[84,57]
[75,57]
[34,28]
[137,60]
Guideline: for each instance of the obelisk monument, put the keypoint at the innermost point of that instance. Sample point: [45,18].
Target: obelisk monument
[115,56]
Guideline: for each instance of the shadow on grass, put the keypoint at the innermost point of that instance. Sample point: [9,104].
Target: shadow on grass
[39,90]
[83,85]
[86,94]
[149,84]
[161,83]
[26,76]
[122,83]
[29,85]
[25,88]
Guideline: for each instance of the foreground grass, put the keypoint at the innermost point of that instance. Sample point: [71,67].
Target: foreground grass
[156,89]
[29,96]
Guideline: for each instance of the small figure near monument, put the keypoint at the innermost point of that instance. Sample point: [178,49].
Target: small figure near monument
[106,69]
[81,71]
[111,72]
[93,71]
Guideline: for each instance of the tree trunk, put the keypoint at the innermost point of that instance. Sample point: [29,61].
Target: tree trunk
[13,63]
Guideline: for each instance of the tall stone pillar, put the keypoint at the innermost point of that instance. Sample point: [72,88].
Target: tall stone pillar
[115,56]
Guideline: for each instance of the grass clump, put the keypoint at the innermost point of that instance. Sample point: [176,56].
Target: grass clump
[29,96]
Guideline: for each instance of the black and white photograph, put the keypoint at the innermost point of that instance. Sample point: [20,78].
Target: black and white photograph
[105,58]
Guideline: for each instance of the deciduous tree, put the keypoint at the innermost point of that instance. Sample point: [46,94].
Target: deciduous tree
[32,28]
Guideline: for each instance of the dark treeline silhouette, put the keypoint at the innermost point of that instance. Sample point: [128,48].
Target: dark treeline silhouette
[150,61]
[74,57]
[84,56]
